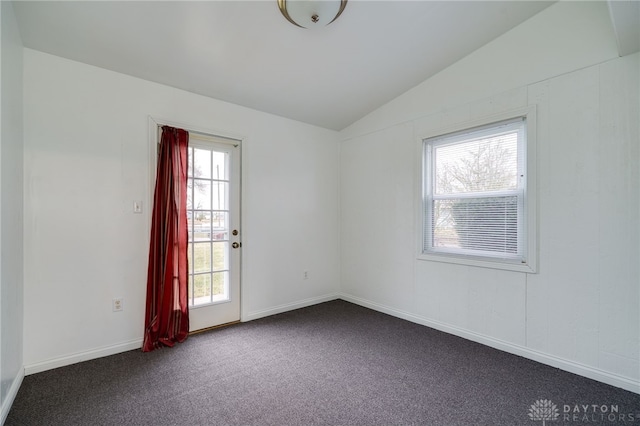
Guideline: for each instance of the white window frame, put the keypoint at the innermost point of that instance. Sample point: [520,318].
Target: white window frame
[527,260]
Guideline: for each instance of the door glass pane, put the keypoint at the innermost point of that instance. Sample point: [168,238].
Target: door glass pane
[220,166]
[219,192]
[220,285]
[220,221]
[220,261]
[190,224]
[201,225]
[201,194]
[202,257]
[189,193]
[202,163]
[202,288]
[219,226]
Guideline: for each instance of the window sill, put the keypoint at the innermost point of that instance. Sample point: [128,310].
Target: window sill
[479,262]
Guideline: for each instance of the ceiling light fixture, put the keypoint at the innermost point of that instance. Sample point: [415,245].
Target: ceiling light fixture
[311,13]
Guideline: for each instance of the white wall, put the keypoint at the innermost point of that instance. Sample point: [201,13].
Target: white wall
[11,280]
[581,311]
[87,160]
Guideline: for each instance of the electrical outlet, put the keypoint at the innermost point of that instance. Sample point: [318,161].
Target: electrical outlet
[305,275]
[118,305]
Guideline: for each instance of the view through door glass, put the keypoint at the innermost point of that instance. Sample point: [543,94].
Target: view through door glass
[213,222]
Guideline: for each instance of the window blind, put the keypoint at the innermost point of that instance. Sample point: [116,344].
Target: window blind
[474,192]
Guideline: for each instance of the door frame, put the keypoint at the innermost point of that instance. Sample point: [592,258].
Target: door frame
[154,124]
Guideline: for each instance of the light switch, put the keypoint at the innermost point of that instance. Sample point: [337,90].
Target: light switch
[137,206]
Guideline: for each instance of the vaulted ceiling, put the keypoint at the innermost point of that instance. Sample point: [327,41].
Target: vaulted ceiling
[246,53]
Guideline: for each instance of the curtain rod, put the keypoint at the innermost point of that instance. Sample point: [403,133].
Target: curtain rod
[221,139]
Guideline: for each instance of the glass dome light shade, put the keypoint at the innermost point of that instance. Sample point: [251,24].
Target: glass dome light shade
[311,13]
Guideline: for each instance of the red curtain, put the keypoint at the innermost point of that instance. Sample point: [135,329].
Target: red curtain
[167,314]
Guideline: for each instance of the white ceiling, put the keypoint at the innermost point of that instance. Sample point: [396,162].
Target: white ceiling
[246,53]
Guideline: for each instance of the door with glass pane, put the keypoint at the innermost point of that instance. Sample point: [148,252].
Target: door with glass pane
[213,215]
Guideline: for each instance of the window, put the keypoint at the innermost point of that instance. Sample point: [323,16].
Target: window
[476,197]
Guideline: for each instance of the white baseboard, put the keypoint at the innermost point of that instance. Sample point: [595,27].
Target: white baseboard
[137,343]
[11,396]
[289,307]
[541,357]
[82,356]
[544,358]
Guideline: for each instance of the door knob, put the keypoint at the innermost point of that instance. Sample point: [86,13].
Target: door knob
[235,245]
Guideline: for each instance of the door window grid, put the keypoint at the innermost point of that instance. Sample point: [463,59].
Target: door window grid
[208,224]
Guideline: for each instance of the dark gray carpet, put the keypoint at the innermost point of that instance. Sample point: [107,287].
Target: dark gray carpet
[331,364]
